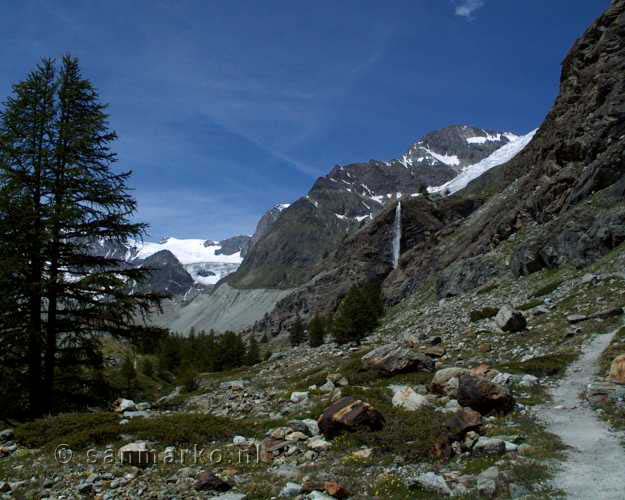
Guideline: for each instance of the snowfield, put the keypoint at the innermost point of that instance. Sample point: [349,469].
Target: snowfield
[499,157]
[188,251]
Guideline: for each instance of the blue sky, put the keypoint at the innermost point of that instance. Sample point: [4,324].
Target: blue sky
[225,108]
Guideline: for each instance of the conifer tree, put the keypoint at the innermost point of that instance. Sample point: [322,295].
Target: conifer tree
[253,352]
[59,193]
[297,333]
[316,331]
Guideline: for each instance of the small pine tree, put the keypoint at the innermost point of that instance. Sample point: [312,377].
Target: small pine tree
[187,379]
[148,368]
[358,314]
[297,333]
[128,372]
[253,352]
[316,331]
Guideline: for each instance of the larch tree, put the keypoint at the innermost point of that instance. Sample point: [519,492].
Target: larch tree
[59,190]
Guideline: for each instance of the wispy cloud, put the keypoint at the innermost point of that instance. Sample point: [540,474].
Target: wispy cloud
[466,8]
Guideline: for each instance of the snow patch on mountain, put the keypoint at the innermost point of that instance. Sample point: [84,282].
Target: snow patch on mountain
[471,172]
[198,257]
[189,251]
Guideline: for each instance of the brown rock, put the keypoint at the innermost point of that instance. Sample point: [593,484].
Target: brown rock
[336,490]
[485,347]
[443,377]
[510,320]
[271,447]
[484,396]
[435,351]
[617,370]
[349,414]
[207,481]
[392,359]
[463,421]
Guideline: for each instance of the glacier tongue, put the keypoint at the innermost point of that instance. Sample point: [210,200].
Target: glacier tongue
[201,261]
[471,172]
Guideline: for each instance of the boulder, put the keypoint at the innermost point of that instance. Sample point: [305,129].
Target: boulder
[348,414]
[6,435]
[462,422]
[137,454]
[510,320]
[335,489]
[576,318]
[405,397]
[121,405]
[318,443]
[484,396]
[440,382]
[207,481]
[433,482]
[489,446]
[392,359]
[617,370]
[298,397]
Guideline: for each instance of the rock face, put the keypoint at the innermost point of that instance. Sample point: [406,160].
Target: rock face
[510,320]
[349,414]
[392,359]
[168,276]
[617,369]
[484,396]
[288,253]
[576,152]
[233,245]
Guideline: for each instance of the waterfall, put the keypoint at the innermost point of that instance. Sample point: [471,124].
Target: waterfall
[397,235]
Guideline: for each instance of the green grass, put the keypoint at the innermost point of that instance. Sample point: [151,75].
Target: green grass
[81,430]
[77,430]
[409,434]
[484,313]
[530,304]
[543,366]
[546,289]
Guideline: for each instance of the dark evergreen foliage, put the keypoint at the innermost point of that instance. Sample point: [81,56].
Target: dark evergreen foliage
[358,313]
[316,331]
[58,193]
[297,333]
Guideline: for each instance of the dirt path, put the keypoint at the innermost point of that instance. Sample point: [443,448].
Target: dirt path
[595,468]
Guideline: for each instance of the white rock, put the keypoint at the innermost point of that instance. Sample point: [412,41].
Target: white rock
[291,490]
[502,378]
[298,397]
[239,440]
[318,443]
[405,397]
[318,495]
[529,381]
[122,405]
[433,482]
[312,426]
[327,387]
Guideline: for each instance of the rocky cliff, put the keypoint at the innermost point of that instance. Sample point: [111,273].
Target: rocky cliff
[559,201]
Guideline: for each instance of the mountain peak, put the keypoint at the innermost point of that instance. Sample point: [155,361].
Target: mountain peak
[455,146]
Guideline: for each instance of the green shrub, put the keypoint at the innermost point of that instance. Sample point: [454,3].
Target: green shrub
[411,434]
[546,290]
[544,366]
[187,428]
[484,313]
[487,288]
[77,430]
[530,305]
